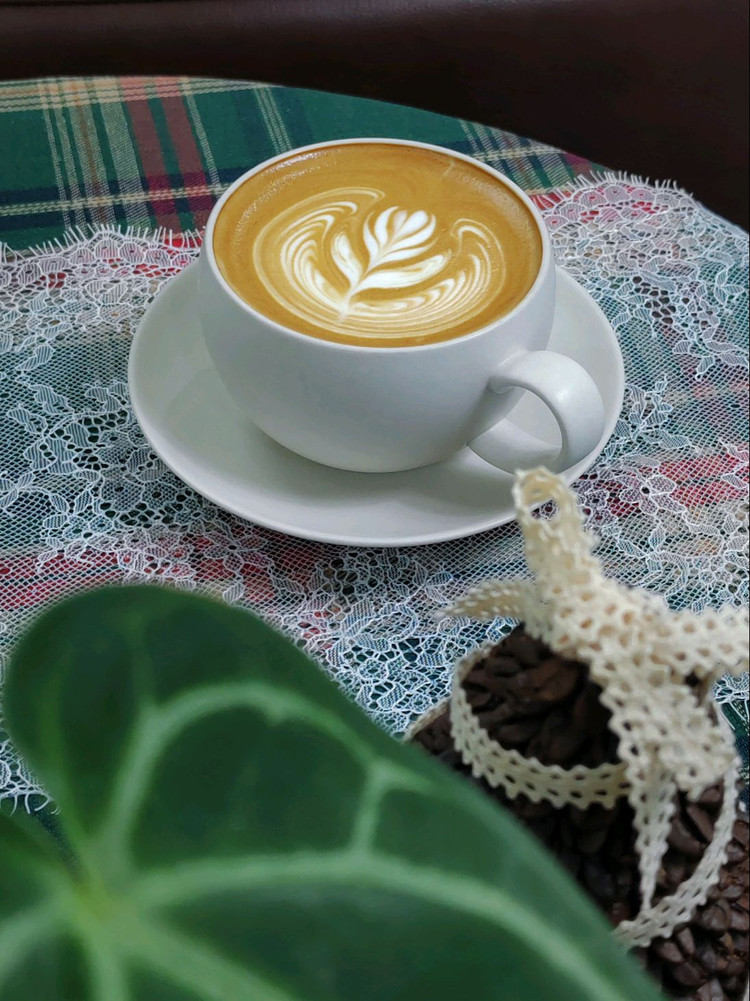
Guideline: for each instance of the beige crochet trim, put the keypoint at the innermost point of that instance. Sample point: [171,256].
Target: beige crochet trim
[660,920]
[641,654]
[425,720]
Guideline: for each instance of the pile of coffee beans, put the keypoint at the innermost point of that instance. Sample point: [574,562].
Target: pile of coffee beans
[547,707]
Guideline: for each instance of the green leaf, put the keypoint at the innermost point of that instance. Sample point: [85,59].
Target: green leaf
[243,833]
[38,956]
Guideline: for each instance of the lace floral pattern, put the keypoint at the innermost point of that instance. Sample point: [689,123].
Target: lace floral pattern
[84,501]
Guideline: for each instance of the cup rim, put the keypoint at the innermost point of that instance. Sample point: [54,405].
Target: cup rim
[208,249]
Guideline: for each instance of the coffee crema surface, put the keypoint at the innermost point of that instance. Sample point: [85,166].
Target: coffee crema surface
[377,244]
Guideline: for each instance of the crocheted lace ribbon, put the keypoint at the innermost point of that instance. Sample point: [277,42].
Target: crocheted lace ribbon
[641,654]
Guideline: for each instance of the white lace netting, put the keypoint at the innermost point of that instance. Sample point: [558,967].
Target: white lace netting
[83,500]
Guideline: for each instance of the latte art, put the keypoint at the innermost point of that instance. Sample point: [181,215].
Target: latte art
[351,265]
[377,244]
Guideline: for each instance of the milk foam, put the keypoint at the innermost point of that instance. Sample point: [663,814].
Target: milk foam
[377,244]
[353,262]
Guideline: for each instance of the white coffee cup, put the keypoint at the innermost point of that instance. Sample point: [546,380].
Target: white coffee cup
[383,409]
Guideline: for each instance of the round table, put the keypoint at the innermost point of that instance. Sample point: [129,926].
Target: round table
[156,152]
[153,154]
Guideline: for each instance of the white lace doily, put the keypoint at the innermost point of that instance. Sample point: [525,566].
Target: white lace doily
[83,500]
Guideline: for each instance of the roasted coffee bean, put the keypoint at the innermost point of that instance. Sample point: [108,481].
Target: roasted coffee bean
[555,680]
[527,809]
[599,881]
[705,954]
[701,822]
[563,745]
[736,852]
[450,757]
[568,837]
[667,949]
[620,911]
[556,720]
[523,708]
[498,666]
[592,842]
[721,963]
[681,838]
[713,919]
[592,751]
[676,868]
[521,685]
[542,745]
[742,942]
[625,876]
[514,733]
[725,907]
[736,967]
[584,820]
[684,938]
[712,796]
[734,986]
[673,874]
[588,711]
[592,819]
[715,893]
[479,698]
[538,676]
[688,973]
[726,942]
[524,648]
[739,919]
[711,991]
[536,748]
[732,891]
[501,713]
[599,749]
[740,831]
[663,880]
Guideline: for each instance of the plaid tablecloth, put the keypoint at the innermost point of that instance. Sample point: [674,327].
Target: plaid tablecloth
[155,153]
[142,152]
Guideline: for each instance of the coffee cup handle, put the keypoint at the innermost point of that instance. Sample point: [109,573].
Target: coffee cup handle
[569,392]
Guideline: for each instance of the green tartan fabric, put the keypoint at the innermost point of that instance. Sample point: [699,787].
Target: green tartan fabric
[157,152]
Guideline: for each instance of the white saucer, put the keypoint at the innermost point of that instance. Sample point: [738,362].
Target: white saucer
[196,429]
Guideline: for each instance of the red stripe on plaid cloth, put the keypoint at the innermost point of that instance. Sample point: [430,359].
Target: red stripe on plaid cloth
[154,170]
[185,146]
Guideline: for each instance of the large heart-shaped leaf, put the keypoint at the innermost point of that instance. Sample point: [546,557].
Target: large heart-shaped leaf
[236,830]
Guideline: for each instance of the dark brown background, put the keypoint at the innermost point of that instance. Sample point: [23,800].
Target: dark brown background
[656,87]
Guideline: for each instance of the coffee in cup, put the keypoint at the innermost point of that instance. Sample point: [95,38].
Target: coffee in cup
[378,245]
[377,304]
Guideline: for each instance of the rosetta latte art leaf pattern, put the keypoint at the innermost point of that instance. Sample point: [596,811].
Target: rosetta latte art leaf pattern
[347,261]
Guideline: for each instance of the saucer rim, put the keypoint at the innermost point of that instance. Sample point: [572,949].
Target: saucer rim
[568,475]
